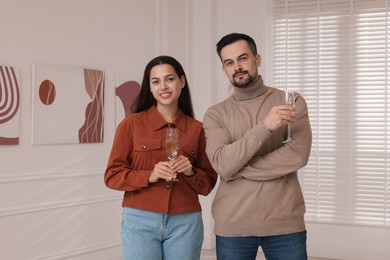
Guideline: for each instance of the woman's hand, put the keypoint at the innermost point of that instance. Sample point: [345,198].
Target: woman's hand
[182,165]
[162,170]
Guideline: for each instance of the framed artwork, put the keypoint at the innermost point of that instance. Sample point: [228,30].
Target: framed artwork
[67,105]
[9,105]
[126,92]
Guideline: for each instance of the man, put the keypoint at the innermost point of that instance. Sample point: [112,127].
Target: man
[259,201]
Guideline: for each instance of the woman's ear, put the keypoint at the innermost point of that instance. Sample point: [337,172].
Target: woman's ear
[183,81]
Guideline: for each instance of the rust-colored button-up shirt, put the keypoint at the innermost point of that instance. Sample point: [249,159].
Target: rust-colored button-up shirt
[139,144]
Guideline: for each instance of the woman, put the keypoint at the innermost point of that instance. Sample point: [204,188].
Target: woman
[161,218]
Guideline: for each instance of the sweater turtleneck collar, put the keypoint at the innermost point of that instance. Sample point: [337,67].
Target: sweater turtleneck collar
[255,89]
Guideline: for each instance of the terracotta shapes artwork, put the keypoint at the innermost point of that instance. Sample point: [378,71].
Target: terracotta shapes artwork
[9,105]
[126,92]
[67,105]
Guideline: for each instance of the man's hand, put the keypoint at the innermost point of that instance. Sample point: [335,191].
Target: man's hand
[278,116]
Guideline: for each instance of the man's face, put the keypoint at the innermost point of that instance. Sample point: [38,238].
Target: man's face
[239,64]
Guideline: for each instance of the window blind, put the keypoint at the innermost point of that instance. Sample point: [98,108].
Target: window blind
[336,54]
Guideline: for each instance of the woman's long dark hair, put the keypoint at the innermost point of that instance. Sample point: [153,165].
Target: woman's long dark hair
[145,98]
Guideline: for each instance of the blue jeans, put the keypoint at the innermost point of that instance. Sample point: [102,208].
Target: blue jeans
[157,236]
[281,247]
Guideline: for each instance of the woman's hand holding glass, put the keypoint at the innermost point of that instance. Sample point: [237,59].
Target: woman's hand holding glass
[182,165]
[168,170]
[162,170]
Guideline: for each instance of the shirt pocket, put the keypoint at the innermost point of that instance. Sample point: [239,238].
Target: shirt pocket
[143,144]
[190,151]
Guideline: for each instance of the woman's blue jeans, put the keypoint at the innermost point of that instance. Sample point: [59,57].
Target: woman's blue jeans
[281,247]
[156,236]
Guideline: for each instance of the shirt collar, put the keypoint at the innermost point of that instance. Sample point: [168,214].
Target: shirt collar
[156,121]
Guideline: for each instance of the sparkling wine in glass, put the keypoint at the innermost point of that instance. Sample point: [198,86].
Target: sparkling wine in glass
[172,145]
[290,100]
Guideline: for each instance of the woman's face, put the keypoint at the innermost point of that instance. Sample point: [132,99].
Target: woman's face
[165,85]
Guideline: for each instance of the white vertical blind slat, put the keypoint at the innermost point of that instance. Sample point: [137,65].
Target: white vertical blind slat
[335,53]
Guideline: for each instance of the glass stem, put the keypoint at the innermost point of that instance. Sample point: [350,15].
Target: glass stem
[288,131]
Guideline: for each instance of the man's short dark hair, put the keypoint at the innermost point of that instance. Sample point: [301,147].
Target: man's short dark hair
[234,37]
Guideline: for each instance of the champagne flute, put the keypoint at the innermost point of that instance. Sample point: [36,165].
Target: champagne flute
[172,145]
[290,100]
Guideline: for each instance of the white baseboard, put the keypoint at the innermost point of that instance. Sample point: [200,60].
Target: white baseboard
[346,253]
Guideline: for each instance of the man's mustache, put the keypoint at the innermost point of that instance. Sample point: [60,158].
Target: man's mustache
[240,72]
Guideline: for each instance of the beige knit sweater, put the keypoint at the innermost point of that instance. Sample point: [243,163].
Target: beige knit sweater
[259,193]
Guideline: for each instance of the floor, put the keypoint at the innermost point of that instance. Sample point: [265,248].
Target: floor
[210,255]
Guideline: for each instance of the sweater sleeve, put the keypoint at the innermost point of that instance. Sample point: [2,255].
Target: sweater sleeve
[234,159]
[223,152]
[288,158]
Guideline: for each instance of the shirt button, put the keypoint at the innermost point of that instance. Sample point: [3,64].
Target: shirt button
[196,179]
[143,147]
[168,186]
[192,153]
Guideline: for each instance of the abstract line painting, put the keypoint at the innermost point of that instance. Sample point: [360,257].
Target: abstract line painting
[126,92]
[9,105]
[67,105]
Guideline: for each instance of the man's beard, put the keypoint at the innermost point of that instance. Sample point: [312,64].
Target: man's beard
[244,82]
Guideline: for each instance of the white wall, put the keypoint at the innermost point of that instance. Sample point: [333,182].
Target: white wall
[53,202]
